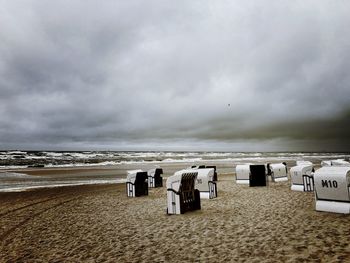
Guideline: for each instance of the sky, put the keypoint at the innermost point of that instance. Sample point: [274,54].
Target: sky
[175,75]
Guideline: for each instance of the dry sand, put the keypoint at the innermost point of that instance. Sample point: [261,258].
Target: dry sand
[100,224]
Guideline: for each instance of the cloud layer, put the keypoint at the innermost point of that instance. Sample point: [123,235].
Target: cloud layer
[231,75]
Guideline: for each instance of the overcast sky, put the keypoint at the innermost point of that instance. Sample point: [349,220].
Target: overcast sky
[175,75]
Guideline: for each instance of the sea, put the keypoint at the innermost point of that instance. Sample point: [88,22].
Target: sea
[15,164]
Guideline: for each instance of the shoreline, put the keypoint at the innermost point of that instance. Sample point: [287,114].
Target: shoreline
[41,177]
[34,178]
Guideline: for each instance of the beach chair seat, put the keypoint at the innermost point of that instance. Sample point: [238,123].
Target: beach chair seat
[332,191]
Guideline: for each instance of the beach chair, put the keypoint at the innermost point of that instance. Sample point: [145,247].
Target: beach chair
[257,175]
[326,163]
[301,178]
[268,169]
[136,183]
[242,173]
[181,193]
[332,189]
[154,178]
[278,172]
[337,162]
[309,183]
[302,162]
[215,177]
[202,166]
[205,183]
[340,162]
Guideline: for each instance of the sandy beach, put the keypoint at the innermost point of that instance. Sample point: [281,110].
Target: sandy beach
[98,223]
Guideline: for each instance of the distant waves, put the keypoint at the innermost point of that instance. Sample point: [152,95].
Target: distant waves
[37,159]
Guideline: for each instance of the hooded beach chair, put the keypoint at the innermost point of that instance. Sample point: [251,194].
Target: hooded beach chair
[215,177]
[136,183]
[202,166]
[205,183]
[337,162]
[154,178]
[326,163]
[278,172]
[332,189]
[242,173]
[181,193]
[302,162]
[257,175]
[302,178]
[340,162]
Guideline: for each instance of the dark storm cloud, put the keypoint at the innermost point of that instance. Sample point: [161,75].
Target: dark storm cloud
[239,74]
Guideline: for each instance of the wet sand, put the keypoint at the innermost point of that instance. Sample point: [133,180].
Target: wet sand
[99,223]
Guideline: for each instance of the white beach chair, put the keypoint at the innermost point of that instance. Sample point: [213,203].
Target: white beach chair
[205,183]
[251,174]
[302,162]
[340,162]
[302,178]
[136,183]
[215,177]
[242,173]
[337,162]
[181,193]
[326,163]
[332,191]
[278,172]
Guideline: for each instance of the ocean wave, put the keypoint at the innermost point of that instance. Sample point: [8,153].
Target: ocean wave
[22,159]
[46,184]
[10,175]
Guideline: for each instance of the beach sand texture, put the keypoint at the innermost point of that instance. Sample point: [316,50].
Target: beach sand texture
[100,224]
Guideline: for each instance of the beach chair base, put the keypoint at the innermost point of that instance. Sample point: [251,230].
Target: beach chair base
[297,187]
[204,195]
[280,179]
[333,207]
[242,181]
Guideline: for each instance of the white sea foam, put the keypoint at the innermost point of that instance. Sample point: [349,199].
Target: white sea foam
[45,184]
[21,159]
[10,175]
[82,164]
[9,167]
